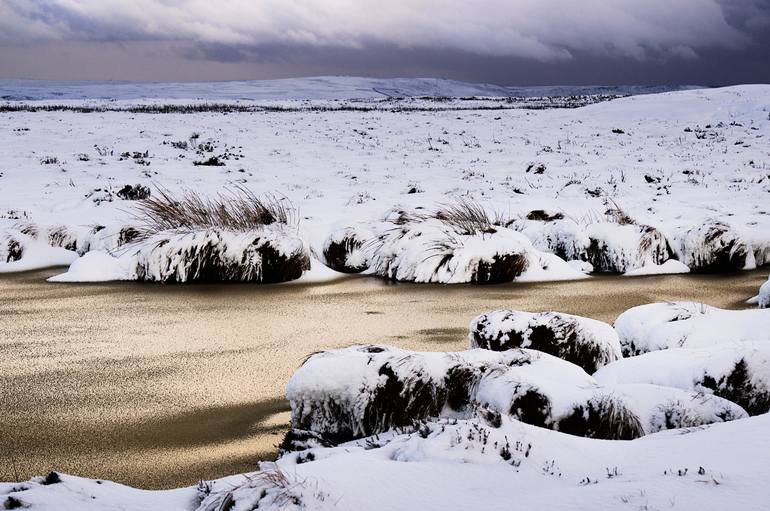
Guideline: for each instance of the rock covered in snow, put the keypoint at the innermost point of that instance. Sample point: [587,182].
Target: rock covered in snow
[715,247]
[432,251]
[736,371]
[341,395]
[95,266]
[608,246]
[266,255]
[585,342]
[560,236]
[665,325]
[345,249]
[617,248]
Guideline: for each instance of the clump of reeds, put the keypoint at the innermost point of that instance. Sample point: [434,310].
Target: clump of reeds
[238,209]
[466,217]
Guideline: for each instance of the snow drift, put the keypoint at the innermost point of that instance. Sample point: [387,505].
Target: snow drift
[659,326]
[737,371]
[21,250]
[462,464]
[585,342]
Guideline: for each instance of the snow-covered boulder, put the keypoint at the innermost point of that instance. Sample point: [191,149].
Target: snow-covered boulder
[265,255]
[670,267]
[609,246]
[585,342]
[345,249]
[560,236]
[736,371]
[715,247]
[434,251]
[341,395]
[618,248]
[95,266]
[658,326]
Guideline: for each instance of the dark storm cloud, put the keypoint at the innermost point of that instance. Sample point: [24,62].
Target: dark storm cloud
[522,42]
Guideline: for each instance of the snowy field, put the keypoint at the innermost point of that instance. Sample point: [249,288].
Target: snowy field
[665,409]
[681,163]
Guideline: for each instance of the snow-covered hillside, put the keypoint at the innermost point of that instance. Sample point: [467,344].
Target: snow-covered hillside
[623,185]
[321,87]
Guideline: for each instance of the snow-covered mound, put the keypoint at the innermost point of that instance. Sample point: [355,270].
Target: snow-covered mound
[715,247]
[737,371]
[57,245]
[266,255]
[661,407]
[345,250]
[609,246]
[660,326]
[763,298]
[617,248]
[556,234]
[464,464]
[585,342]
[345,394]
[433,250]
[21,250]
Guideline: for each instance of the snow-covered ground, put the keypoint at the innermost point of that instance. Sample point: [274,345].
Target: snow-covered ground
[679,164]
[462,465]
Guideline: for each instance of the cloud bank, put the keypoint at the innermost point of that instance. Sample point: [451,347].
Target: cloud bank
[540,31]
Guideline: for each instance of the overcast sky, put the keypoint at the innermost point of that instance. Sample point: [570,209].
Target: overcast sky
[513,42]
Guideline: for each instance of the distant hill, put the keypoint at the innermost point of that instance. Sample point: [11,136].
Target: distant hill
[316,88]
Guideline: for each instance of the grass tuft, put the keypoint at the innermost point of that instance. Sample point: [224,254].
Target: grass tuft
[239,210]
[466,217]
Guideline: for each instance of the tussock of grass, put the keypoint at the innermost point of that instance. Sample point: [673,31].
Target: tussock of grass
[237,210]
[466,217]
